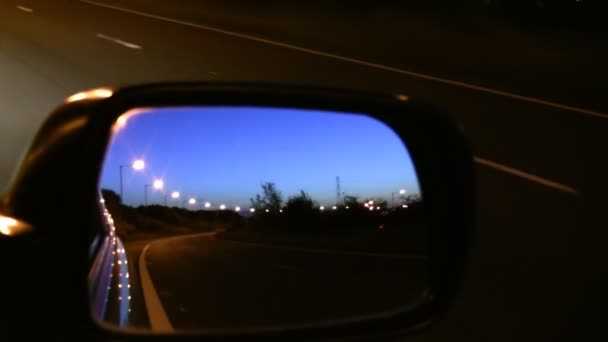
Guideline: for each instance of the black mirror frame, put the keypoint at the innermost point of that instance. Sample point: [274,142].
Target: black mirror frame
[437,145]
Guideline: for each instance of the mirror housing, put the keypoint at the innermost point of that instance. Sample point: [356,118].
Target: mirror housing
[64,162]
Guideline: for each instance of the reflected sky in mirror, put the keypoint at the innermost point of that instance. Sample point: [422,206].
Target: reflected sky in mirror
[223,154]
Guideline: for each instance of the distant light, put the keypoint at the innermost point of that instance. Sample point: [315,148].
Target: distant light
[280,210]
[192,201]
[139,165]
[366,205]
[99,93]
[404,206]
[334,207]
[267,210]
[378,208]
[237,209]
[222,206]
[347,207]
[102,201]
[322,208]
[158,184]
[371,208]
[252,210]
[207,205]
[175,194]
[371,202]
[402,191]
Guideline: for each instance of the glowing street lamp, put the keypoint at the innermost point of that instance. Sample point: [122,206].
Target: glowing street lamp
[138,165]
[402,192]
[158,184]
[207,205]
[192,201]
[334,207]
[175,195]
[222,206]
[252,210]
[321,208]
[237,209]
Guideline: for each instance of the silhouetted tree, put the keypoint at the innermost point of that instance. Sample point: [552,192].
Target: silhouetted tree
[110,197]
[300,203]
[352,201]
[271,198]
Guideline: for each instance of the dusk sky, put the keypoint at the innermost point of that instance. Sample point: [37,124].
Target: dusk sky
[223,154]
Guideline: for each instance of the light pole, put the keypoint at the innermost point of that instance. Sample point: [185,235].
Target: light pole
[137,165]
[146,194]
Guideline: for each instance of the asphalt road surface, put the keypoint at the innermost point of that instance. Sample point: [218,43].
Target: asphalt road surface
[536,269]
[208,283]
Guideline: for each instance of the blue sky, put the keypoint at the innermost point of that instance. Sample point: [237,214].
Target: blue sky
[223,154]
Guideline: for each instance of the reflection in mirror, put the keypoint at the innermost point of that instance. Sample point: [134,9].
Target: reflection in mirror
[240,218]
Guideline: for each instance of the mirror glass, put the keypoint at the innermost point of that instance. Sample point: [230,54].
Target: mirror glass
[249,218]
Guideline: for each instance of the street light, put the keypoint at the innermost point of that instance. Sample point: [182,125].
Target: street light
[207,205]
[321,208]
[192,201]
[137,165]
[222,206]
[158,184]
[402,191]
[252,210]
[237,209]
[175,195]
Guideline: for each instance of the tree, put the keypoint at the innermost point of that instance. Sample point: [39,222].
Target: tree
[411,200]
[300,203]
[271,198]
[352,201]
[110,197]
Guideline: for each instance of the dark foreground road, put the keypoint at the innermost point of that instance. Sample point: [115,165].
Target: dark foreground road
[536,270]
[209,283]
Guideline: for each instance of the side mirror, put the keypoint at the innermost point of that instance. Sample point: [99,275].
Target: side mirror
[240,211]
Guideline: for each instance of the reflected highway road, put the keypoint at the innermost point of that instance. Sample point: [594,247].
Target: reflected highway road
[203,282]
[541,168]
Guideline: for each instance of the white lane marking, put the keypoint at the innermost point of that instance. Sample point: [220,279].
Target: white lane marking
[362,62]
[325,251]
[528,176]
[159,322]
[25,9]
[118,41]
